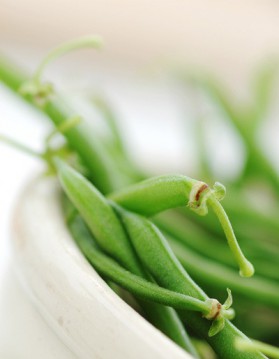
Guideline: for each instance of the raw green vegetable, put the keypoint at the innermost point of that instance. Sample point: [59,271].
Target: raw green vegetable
[136,285]
[168,259]
[111,237]
[160,193]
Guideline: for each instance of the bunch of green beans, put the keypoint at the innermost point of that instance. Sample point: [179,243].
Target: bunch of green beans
[154,260]
[154,253]
[137,285]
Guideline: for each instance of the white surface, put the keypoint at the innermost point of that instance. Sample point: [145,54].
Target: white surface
[23,332]
[88,317]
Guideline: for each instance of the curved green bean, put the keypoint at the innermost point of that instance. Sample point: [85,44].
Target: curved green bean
[110,236]
[160,193]
[156,194]
[138,286]
[81,138]
[219,276]
[107,177]
[98,215]
[158,258]
[199,240]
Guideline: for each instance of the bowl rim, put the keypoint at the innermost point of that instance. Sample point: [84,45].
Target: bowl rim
[64,287]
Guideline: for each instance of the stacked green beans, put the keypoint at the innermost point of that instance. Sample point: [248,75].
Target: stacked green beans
[166,260]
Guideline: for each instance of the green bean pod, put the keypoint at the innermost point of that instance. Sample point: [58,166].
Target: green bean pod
[148,197]
[98,215]
[207,271]
[160,193]
[192,236]
[102,169]
[157,256]
[156,194]
[136,285]
[112,239]
[160,261]
[106,181]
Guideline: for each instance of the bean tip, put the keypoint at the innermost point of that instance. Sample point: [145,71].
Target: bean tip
[247,270]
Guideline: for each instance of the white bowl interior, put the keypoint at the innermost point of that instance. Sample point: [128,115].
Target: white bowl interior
[76,303]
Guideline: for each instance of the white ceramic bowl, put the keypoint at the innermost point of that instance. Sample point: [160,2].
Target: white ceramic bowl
[78,306]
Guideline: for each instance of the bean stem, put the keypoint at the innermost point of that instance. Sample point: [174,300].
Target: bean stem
[207,271]
[20,146]
[246,268]
[66,47]
[160,193]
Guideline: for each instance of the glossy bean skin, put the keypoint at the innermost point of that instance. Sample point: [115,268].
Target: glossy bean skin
[110,236]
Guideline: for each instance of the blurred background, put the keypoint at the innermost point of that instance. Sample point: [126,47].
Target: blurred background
[144,41]
[231,37]
[150,47]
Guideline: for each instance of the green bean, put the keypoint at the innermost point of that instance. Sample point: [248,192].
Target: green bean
[115,144]
[155,194]
[246,123]
[160,261]
[197,239]
[108,178]
[247,216]
[160,193]
[248,236]
[98,215]
[104,173]
[156,255]
[109,116]
[267,219]
[110,236]
[39,91]
[246,268]
[11,76]
[102,168]
[138,286]
[191,235]
[158,258]
[219,276]
[69,46]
